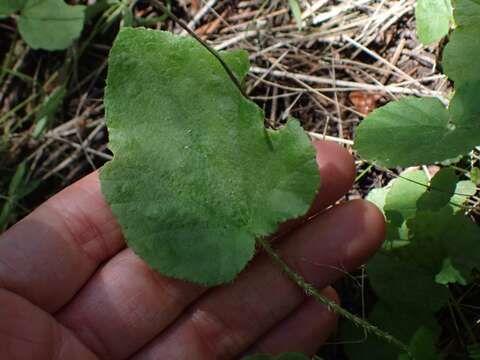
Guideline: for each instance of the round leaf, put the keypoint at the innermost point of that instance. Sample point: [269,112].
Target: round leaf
[195,176]
[50,24]
[416,131]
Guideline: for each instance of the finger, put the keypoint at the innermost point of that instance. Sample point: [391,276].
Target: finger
[337,172]
[227,320]
[304,331]
[27,332]
[58,247]
[55,249]
[124,305]
[102,313]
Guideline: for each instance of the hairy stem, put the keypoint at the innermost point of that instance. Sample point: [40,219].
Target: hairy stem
[311,291]
[212,51]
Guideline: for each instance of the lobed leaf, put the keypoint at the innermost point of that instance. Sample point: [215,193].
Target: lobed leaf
[195,176]
[449,274]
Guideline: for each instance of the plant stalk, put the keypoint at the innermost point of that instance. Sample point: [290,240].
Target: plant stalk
[311,291]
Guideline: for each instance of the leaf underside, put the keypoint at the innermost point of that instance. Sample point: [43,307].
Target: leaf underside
[195,176]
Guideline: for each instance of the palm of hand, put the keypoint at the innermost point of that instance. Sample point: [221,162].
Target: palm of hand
[69,289]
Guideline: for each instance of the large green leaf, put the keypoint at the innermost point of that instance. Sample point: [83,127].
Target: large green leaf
[416,131]
[433,19]
[50,24]
[460,57]
[195,176]
[467,12]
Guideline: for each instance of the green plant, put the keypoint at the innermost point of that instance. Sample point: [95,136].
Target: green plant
[207,165]
[46,24]
[209,145]
[431,244]
[433,19]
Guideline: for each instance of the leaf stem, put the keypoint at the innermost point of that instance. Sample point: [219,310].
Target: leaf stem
[212,51]
[311,291]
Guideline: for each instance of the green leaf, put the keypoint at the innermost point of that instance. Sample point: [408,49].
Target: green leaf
[433,19]
[405,192]
[461,55]
[195,176]
[475,175]
[449,274]
[440,191]
[416,131]
[463,191]
[401,322]
[378,197]
[437,233]
[50,24]
[467,12]
[297,12]
[401,281]
[422,346]
[284,356]
[8,7]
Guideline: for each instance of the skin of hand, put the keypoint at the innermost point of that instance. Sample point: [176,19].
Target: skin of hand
[70,288]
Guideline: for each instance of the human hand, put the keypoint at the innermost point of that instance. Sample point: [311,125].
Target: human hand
[69,289]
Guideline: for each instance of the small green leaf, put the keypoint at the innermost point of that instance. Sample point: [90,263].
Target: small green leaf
[196,177]
[378,197]
[416,131]
[50,24]
[422,346]
[284,356]
[297,12]
[463,191]
[449,274]
[475,175]
[433,19]
[440,191]
[8,7]
[405,192]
